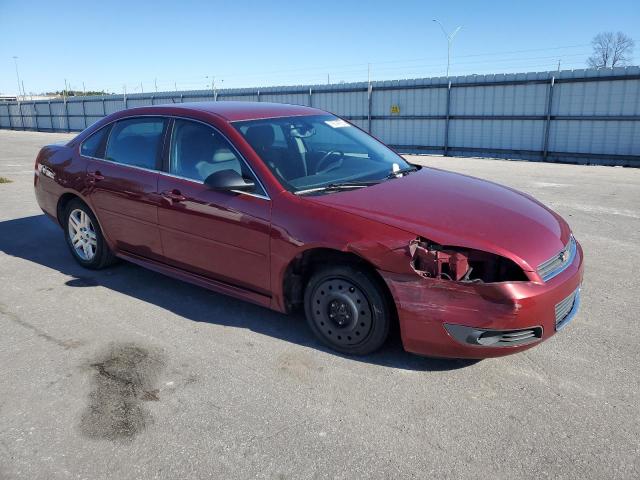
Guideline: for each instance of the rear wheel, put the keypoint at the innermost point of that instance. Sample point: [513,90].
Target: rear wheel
[346,309]
[84,237]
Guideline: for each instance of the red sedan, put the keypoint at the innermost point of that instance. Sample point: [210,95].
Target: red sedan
[291,207]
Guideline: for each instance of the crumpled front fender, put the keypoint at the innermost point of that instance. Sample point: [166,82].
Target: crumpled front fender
[425,305]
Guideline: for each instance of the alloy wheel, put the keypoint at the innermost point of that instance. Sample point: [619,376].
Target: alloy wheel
[82,234]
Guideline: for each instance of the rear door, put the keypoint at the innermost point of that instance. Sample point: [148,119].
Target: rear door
[221,235]
[123,185]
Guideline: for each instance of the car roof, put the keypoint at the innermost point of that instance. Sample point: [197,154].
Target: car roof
[234,111]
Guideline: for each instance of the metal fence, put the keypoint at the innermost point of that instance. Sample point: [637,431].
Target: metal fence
[578,116]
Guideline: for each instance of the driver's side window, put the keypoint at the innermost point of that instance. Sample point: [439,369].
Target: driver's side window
[198,150]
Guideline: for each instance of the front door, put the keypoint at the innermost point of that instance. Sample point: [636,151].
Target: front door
[220,235]
[123,187]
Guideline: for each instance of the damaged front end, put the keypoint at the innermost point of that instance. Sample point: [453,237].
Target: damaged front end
[464,302]
[432,260]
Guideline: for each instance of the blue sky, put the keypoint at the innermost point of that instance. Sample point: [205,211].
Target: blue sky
[250,43]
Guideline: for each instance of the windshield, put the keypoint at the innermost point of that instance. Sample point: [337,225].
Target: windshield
[311,152]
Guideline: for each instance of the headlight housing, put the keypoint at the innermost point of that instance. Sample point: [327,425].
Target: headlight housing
[432,260]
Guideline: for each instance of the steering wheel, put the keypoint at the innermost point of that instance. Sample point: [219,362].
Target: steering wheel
[326,157]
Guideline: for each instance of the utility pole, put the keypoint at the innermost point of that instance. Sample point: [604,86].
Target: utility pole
[175,84]
[449,37]
[558,64]
[141,89]
[328,80]
[369,73]
[15,61]
[84,90]
[66,91]
[155,82]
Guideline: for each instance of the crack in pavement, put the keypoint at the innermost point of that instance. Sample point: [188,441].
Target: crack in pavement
[15,318]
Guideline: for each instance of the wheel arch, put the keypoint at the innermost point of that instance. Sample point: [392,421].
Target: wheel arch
[63,201]
[68,197]
[301,267]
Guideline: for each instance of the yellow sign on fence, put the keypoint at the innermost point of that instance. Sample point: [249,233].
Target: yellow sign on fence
[395,108]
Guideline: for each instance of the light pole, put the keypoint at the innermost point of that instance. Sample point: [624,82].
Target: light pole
[449,37]
[15,61]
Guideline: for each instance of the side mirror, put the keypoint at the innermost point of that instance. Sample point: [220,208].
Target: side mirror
[227,180]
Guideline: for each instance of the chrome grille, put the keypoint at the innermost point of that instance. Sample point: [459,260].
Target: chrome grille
[518,336]
[561,260]
[566,309]
[498,338]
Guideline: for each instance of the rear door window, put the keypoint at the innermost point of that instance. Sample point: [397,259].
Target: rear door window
[136,142]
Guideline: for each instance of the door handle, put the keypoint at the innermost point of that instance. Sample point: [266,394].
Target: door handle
[174,195]
[95,176]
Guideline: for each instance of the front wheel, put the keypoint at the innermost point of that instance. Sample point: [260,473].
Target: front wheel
[346,309]
[84,237]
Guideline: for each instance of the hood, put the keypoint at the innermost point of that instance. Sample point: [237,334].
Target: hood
[457,210]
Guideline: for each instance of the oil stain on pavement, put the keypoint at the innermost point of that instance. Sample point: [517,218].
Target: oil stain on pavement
[124,377]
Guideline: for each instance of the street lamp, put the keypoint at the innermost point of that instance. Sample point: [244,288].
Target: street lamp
[449,37]
[15,61]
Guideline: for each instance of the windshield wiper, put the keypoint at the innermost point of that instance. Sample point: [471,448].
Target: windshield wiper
[357,184]
[402,171]
[338,186]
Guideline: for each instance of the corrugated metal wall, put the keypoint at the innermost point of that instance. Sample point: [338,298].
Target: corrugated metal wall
[587,116]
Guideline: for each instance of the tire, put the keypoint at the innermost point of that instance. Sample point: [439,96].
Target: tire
[81,226]
[347,310]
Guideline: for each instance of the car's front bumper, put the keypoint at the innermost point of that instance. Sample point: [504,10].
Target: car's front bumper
[441,318]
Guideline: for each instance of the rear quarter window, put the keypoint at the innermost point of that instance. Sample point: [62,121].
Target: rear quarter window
[93,146]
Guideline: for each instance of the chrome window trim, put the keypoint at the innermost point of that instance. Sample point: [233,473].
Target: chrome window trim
[135,167]
[572,249]
[162,172]
[198,182]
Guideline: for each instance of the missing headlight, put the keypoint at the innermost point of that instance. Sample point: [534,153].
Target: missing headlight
[432,260]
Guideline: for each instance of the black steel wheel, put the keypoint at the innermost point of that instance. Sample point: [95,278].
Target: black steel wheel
[346,309]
